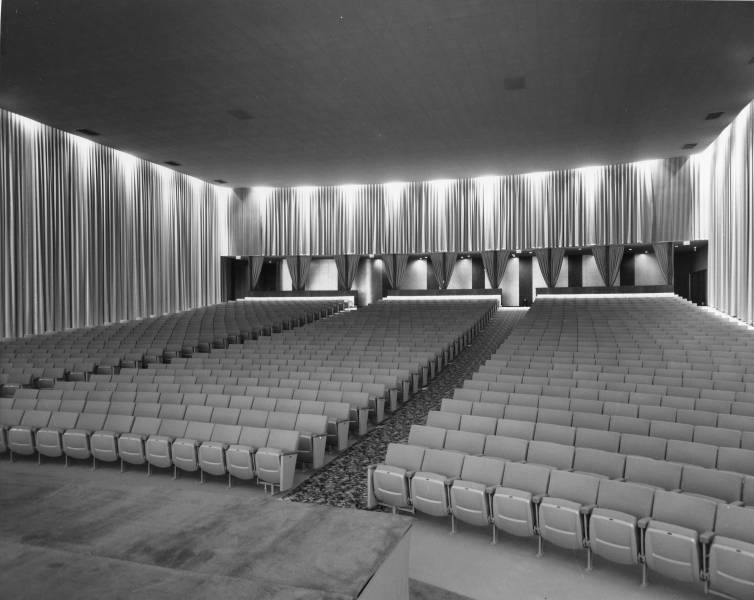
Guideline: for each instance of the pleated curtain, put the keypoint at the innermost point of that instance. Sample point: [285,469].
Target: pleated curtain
[443,264]
[90,235]
[298,267]
[495,263]
[550,261]
[664,255]
[608,260]
[395,268]
[257,262]
[347,264]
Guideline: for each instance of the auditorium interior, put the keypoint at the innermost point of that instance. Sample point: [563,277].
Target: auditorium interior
[389,300]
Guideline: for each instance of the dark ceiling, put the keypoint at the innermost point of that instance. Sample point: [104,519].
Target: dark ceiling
[292,92]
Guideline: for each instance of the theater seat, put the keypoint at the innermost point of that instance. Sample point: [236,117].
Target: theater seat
[513,503]
[613,525]
[426,436]
[105,441]
[76,442]
[470,494]
[730,558]
[672,535]
[212,452]
[563,512]
[131,445]
[186,449]
[49,439]
[312,430]
[431,485]
[21,437]
[157,447]
[240,457]
[388,482]
[506,448]
[276,463]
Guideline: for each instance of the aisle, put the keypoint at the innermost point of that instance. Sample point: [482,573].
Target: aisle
[342,482]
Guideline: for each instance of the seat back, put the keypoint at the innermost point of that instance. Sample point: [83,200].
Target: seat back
[173,428]
[626,497]
[508,448]
[199,431]
[551,454]
[90,421]
[226,434]
[436,418]
[478,424]
[145,425]
[657,473]
[527,478]
[281,420]
[118,423]
[599,440]
[642,445]
[36,418]
[735,522]
[514,428]
[684,510]
[286,441]
[737,460]
[711,482]
[61,420]
[172,411]
[313,424]
[447,463]
[482,469]
[609,464]
[575,487]
[559,434]
[467,442]
[426,436]
[254,437]
[717,436]
[198,413]
[404,456]
[225,416]
[692,453]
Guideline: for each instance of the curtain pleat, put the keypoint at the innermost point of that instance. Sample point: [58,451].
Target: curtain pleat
[388,260]
[443,264]
[615,257]
[257,262]
[347,264]
[90,235]
[298,267]
[495,263]
[401,261]
[664,255]
[550,260]
[608,259]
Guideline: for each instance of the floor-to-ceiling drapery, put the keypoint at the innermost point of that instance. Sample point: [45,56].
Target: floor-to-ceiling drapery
[615,204]
[90,235]
[727,197]
[664,255]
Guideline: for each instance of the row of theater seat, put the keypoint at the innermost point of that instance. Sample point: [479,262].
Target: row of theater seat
[740,460]
[680,535]
[94,414]
[723,485]
[707,410]
[739,435]
[218,449]
[41,360]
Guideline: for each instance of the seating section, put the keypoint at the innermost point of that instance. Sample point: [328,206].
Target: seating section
[620,426]
[251,410]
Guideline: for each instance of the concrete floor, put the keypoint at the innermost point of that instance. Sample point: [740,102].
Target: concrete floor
[74,533]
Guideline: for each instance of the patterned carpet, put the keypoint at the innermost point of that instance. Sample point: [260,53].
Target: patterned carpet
[342,482]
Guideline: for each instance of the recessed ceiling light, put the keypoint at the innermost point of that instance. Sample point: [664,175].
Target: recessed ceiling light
[713,115]
[220,181]
[514,83]
[86,131]
[689,146]
[172,163]
[240,114]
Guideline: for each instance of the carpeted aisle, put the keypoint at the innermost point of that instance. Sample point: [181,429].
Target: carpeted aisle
[342,482]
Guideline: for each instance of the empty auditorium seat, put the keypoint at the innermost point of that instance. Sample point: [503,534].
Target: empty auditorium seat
[431,485]
[730,557]
[104,443]
[388,483]
[275,463]
[513,503]
[470,494]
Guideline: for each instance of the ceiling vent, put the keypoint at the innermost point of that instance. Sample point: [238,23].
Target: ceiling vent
[689,146]
[240,114]
[86,131]
[713,115]
[514,83]
[172,163]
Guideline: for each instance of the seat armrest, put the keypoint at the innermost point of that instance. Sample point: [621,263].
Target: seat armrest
[677,490]
[449,481]
[706,537]
[490,489]
[643,523]
[410,474]
[537,498]
[737,503]
[620,479]
[587,509]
